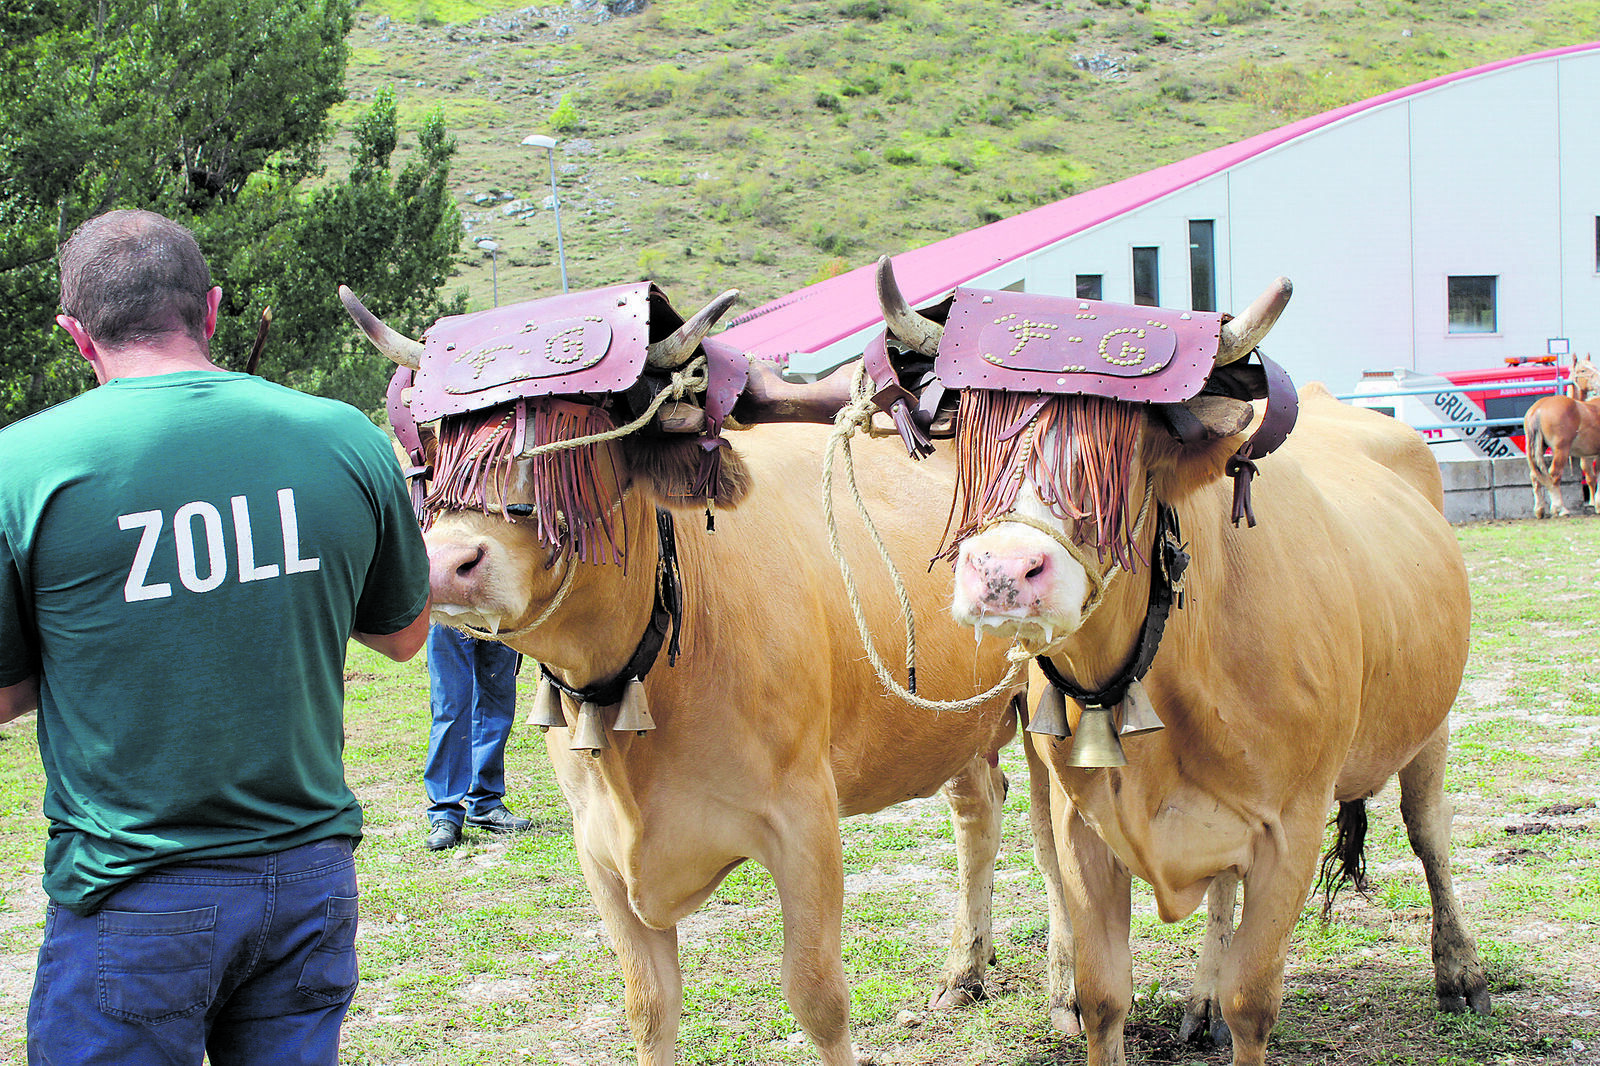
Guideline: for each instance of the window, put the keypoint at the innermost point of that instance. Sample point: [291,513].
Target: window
[1472,303]
[1202,265]
[1146,271]
[1089,286]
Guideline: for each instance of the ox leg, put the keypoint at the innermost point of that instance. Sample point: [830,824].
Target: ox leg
[1203,1016]
[1250,986]
[651,979]
[1098,891]
[977,797]
[1458,974]
[808,871]
[1044,797]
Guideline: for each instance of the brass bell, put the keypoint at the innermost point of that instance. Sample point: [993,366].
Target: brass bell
[590,735]
[1096,743]
[1050,716]
[1138,716]
[547,707]
[635,713]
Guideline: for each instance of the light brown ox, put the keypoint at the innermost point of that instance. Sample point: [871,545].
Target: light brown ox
[772,724]
[1317,656]
[1569,426]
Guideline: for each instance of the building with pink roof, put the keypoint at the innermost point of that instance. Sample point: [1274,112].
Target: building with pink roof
[1449,225]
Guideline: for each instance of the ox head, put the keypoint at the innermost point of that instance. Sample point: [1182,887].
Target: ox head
[1077,421]
[527,426]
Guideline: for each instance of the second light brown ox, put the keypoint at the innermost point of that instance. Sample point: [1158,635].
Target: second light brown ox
[1315,654]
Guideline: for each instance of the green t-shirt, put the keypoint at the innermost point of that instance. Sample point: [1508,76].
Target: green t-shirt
[182,561]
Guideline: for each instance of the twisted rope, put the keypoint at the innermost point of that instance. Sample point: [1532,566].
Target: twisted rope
[694,376]
[854,416]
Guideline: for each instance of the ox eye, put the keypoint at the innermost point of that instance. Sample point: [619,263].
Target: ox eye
[521,510]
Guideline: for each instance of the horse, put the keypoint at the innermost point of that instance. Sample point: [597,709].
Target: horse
[1569,426]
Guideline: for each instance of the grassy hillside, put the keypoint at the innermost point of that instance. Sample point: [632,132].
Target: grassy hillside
[765,145]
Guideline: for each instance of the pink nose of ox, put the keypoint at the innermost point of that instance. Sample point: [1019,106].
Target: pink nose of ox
[456,571]
[1012,582]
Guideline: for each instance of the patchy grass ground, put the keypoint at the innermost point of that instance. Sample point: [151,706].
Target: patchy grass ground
[492,953]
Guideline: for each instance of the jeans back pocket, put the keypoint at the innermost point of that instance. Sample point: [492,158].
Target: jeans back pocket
[154,967]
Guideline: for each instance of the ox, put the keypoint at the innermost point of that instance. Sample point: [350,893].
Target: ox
[1569,426]
[770,725]
[1304,662]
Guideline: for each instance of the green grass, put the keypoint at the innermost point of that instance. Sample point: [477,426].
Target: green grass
[493,952]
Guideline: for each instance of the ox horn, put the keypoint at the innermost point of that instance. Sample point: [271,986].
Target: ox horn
[918,331]
[674,351]
[1241,335]
[396,346]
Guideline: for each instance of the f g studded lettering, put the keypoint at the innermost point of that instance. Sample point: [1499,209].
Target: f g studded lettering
[200,547]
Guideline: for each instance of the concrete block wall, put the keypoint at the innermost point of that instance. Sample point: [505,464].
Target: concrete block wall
[1481,490]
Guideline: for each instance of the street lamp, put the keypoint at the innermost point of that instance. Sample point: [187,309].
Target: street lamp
[494,263]
[539,140]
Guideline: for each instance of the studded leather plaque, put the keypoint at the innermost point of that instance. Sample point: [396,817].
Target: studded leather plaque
[583,342]
[1030,342]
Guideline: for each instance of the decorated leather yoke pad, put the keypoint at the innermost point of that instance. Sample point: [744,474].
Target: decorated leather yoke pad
[583,342]
[1031,342]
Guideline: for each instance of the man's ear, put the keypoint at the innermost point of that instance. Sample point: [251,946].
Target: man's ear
[213,301]
[79,337]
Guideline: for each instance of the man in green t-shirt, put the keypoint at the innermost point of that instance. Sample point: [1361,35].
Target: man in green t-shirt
[184,554]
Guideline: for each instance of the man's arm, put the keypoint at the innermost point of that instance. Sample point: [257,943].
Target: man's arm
[403,644]
[17,700]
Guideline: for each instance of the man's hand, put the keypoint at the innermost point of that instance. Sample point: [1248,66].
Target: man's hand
[17,700]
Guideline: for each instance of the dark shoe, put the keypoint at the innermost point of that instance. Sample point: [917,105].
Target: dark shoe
[499,820]
[443,833]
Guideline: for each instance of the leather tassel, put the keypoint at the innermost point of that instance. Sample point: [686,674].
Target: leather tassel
[1242,470]
[590,735]
[709,474]
[634,716]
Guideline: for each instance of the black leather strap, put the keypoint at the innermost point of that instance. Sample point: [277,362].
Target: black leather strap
[665,616]
[1166,575]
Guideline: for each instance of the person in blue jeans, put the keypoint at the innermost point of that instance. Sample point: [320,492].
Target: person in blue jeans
[473,685]
[185,554]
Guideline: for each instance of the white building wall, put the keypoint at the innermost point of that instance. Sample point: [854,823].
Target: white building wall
[1498,175]
[1578,106]
[1482,209]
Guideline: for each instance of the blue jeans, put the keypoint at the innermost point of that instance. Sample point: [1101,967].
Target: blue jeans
[249,960]
[473,686]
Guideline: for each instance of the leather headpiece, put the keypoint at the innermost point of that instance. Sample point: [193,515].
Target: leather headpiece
[1029,342]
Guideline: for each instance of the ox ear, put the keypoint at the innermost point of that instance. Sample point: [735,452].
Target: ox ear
[1207,417]
[684,474]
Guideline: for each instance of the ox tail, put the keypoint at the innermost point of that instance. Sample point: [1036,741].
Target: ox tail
[1345,861]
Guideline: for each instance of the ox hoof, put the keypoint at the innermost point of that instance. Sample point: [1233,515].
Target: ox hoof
[956,996]
[1065,1020]
[1476,1000]
[1201,1025]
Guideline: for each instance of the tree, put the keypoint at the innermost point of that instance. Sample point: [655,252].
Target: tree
[391,238]
[212,112]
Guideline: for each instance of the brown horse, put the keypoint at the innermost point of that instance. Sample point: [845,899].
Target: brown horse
[1569,426]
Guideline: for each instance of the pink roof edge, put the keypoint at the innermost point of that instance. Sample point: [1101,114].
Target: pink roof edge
[811,318]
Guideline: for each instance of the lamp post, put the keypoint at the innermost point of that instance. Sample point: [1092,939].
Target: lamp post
[539,140]
[494,263]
